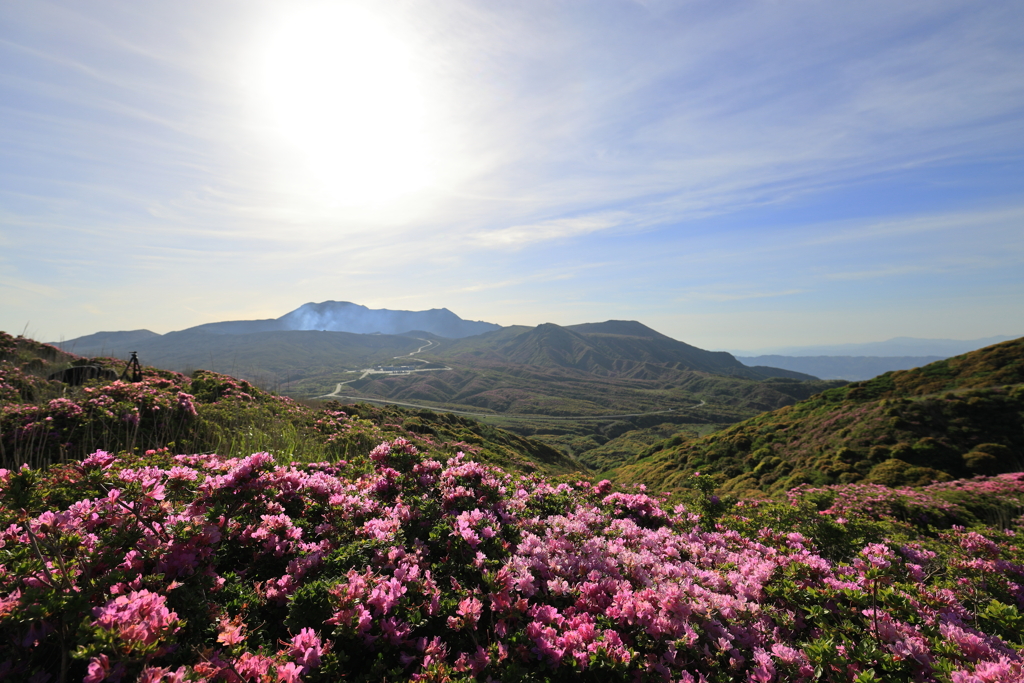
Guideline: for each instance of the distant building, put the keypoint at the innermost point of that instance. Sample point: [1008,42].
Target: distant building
[394,368]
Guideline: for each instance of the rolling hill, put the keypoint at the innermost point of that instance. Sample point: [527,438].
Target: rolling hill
[616,367]
[612,348]
[952,418]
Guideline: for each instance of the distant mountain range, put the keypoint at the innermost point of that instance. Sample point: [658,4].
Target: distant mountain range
[851,368]
[328,316]
[854,362]
[265,347]
[608,367]
[361,336]
[287,346]
[895,347]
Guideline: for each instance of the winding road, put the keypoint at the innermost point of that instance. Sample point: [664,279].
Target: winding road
[373,371]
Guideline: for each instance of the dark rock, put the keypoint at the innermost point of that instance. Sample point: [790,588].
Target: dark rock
[80,374]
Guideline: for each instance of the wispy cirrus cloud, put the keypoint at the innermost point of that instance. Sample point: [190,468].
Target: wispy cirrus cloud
[519,236]
[726,295]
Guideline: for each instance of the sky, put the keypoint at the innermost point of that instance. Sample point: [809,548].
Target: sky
[734,174]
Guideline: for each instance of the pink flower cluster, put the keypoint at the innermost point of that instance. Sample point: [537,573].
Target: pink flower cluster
[406,567]
[937,503]
[138,619]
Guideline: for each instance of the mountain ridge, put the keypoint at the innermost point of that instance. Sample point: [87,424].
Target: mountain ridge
[345,316]
[850,368]
[894,347]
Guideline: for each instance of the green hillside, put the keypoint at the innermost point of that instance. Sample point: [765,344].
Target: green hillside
[953,418]
[611,348]
[577,411]
[594,369]
[43,421]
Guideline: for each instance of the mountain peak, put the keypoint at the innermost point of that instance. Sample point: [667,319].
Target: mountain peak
[625,328]
[344,316]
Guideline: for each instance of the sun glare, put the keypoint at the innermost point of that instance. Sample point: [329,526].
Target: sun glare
[340,89]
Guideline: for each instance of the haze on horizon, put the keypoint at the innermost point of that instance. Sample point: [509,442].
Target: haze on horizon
[732,174]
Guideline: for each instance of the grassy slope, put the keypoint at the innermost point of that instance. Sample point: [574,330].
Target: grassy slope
[953,418]
[43,421]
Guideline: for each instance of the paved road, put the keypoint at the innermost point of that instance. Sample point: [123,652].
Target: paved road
[371,371]
[430,344]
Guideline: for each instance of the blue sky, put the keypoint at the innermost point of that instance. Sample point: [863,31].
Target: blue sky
[734,174]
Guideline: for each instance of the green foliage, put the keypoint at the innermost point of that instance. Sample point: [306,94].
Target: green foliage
[895,472]
[1004,620]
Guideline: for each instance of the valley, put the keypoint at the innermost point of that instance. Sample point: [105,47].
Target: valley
[575,388]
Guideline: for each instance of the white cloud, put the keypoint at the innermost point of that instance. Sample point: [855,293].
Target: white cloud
[31,287]
[518,236]
[741,295]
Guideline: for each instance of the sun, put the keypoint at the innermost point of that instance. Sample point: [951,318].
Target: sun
[341,94]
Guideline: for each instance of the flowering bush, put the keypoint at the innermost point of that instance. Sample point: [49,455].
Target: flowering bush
[996,500]
[402,566]
[43,421]
[118,415]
